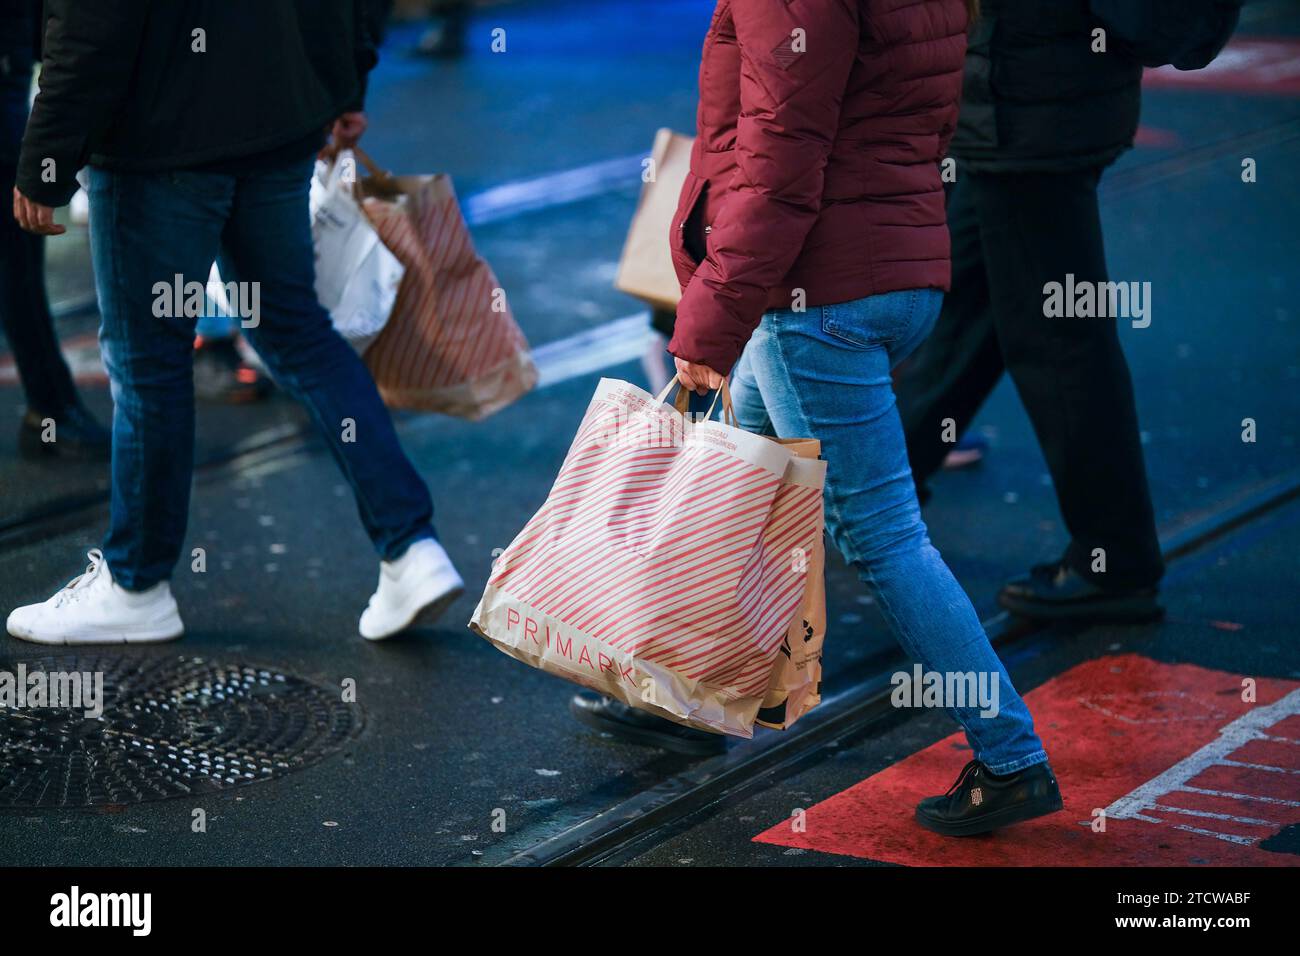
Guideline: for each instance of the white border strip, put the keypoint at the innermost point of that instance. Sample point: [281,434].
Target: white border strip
[593,350]
[554,189]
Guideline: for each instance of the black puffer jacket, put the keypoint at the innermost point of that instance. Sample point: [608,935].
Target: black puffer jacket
[17,54]
[1036,98]
[125,85]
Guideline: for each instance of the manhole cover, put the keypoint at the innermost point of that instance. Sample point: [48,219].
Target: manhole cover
[170,727]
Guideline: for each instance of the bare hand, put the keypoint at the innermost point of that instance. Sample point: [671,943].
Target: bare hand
[698,378]
[345,132]
[34,217]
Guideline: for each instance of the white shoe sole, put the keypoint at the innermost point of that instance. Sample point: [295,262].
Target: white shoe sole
[97,635]
[423,610]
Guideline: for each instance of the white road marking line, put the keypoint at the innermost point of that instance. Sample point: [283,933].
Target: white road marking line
[1268,768]
[1280,740]
[592,350]
[509,199]
[1250,821]
[604,346]
[1240,796]
[553,189]
[1249,726]
[584,353]
[1228,837]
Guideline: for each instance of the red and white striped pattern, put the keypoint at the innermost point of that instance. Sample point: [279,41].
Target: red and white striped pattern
[671,554]
[444,347]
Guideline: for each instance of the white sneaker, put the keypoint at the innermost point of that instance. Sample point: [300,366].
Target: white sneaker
[421,583]
[91,609]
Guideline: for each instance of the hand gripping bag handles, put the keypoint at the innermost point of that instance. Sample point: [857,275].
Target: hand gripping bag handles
[451,344]
[659,569]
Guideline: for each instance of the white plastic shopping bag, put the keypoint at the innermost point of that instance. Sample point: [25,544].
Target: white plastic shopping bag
[357,277]
[666,565]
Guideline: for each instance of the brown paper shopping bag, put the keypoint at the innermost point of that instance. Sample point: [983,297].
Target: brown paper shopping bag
[796,678]
[645,269]
[451,344]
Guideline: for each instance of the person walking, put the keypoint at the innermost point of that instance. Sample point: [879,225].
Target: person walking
[1030,150]
[811,246]
[25,316]
[201,123]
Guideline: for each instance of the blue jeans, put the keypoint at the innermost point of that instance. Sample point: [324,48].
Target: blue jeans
[824,373]
[147,228]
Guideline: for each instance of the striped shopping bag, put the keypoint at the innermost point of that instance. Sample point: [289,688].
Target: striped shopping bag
[451,344]
[666,564]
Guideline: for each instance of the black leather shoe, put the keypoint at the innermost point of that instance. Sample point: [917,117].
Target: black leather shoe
[1054,592]
[639,727]
[77,436]
[979,802]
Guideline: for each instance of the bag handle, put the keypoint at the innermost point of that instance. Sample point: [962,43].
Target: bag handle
[681,401]
[382,178]
[371,166]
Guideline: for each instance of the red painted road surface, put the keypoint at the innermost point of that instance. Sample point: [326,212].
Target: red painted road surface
[1186,772]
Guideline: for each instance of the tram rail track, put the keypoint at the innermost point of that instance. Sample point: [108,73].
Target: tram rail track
[644,818]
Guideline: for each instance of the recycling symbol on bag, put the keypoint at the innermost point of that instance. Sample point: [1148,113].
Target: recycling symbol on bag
[807,636]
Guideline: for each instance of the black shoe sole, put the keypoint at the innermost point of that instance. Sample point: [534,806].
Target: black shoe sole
[1006,817]
[644,736]
[1137,609]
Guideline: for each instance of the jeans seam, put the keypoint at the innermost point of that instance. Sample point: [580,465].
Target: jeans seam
[122,331]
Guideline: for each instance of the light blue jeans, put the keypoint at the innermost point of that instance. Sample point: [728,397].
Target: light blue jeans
[824,373]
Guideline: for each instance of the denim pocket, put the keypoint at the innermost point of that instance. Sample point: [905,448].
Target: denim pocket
[875,320]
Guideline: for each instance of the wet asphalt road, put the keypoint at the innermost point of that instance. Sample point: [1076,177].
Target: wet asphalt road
[455,732]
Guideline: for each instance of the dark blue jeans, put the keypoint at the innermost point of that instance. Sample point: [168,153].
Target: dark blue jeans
[149,228]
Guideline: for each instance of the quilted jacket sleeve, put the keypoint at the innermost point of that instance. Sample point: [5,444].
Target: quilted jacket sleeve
[795,62]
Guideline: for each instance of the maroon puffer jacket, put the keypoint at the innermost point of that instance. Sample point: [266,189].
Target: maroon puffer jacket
[816,165]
